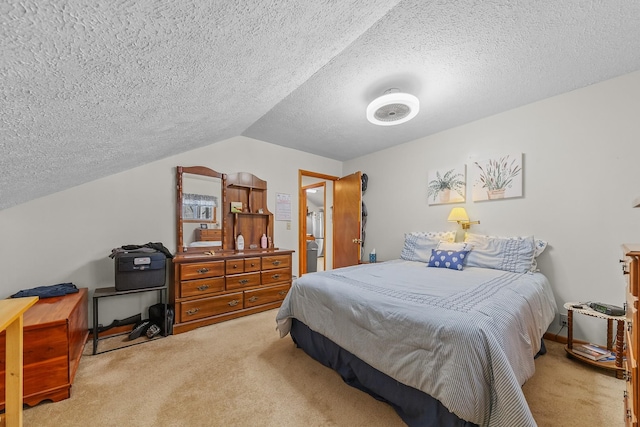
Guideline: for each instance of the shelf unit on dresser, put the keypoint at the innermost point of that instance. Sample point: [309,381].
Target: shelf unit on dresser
[255,220]
[209,289]
[631,270]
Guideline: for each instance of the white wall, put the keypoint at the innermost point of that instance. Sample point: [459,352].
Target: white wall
[67,236]
[581,153]
[581,173]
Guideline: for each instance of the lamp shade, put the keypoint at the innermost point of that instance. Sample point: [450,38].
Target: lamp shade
[458,214]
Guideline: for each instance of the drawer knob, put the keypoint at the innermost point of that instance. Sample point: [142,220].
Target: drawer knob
[203,287]
[275,276]
[276,262]
[282,293]
[233,302]
[192,311]
[253,299]
[253,264]
[203,270]
[243,281]
[235,266]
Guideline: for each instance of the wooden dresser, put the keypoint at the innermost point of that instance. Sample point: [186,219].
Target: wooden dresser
[55,332]
[208,289]
[632,392]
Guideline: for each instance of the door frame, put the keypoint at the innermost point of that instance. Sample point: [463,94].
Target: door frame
[302,215]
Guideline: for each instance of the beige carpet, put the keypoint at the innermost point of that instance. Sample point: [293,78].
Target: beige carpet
[239,373]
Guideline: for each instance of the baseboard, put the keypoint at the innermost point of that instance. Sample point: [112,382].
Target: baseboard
[116,330]
[555,337]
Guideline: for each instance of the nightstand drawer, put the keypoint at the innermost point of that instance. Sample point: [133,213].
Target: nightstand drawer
[631,390]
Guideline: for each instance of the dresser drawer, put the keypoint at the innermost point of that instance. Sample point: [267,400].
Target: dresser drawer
[201,270]
[276,276]
[191,288]
[265,295]
[251,264]
[277,261]
[631,315]
[246,280]
[234,266]
[211,306]
[631,390]
[632,268]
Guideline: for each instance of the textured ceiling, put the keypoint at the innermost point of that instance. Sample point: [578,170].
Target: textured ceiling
[89,88]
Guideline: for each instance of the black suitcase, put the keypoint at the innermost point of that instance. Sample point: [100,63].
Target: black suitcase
[139,270]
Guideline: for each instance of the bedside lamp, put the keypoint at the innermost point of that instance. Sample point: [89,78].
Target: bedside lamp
[460,216]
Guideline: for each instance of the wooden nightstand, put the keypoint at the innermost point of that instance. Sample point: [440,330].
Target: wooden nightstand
[615,365]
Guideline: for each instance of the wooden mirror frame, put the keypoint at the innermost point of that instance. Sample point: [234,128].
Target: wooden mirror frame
[203,171]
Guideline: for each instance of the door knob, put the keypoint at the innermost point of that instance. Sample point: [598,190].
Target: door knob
[358,241]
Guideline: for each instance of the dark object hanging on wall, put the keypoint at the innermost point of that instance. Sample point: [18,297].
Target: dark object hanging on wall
[365,181]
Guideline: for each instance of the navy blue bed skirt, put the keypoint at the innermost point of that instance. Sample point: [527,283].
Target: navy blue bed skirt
[415,407]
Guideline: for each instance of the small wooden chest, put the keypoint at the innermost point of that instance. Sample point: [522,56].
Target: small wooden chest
[55,332]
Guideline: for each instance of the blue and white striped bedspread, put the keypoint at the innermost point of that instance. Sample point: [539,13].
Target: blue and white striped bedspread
[466,337]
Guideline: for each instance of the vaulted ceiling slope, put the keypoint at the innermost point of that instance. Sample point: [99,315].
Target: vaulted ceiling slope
[94,87]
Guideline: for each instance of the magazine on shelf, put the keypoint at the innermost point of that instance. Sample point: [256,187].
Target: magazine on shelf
[586,350]
[596,348]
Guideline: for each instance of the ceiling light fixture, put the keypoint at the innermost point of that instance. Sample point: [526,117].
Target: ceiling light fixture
[393,108]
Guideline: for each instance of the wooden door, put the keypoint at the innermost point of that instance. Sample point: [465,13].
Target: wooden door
[347,206]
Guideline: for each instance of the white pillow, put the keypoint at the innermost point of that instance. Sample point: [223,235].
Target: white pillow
[541,245]
[447,236]
[453,246]
[418,245]
[514,254]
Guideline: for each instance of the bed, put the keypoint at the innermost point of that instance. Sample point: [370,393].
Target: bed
[444,346]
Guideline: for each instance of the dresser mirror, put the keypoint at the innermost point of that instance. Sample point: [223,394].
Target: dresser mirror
[199,210]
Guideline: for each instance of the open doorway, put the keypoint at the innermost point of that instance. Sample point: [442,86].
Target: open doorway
[340,221]
[316,228]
